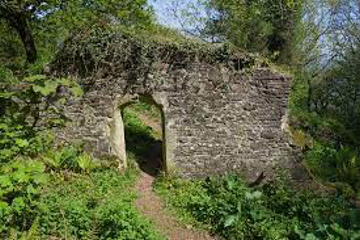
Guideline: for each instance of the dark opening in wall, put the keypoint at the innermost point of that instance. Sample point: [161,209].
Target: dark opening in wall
[144,134]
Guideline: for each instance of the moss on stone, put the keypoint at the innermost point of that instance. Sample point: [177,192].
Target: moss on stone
[108,51]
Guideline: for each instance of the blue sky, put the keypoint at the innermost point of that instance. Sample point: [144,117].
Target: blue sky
[162,13]
[195,11]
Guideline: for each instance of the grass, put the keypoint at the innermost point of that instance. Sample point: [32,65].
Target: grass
[149,110]
[144,142]
[66,194]
[50,202]
[139,137]
[99,205]
[228,207]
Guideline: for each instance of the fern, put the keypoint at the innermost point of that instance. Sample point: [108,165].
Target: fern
[86,163]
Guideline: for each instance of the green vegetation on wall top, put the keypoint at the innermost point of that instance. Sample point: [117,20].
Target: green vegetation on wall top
[109,51]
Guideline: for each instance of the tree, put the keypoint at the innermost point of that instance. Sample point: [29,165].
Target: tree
[263,26]
[59,16]
[327,68]
[17,14]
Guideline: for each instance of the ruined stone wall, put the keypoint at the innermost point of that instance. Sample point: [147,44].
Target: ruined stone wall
[236,127]
[223,110]
[216,121]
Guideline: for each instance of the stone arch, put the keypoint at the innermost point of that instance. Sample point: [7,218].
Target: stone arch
[118,141]
[220,114]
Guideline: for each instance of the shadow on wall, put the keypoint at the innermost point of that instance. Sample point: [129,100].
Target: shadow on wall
[140,140]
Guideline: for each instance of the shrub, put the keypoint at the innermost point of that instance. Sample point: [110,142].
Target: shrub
[28,109]
[274,211]
[86,163]
[117,219]
[71,158]
[65,215]
[21,182]
[334,165]
[94,206]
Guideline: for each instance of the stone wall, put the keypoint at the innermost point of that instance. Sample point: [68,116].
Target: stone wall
[219,116]
[216,121]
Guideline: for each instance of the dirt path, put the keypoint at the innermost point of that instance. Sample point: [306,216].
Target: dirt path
[155,125]
[151,206]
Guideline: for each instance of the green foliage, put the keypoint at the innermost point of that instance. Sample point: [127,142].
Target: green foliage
[231,209]
[7,76]
[143,136]
[265,27]
[324,100]
[301,139]
[334,165]
[139,137]
[21,182]
[124,224]
[39,22]
[11,51]
[330,147]
[69,158]
[28,110]
[17,139]
[96,206]
[86,163]
[110,51]
[150,110]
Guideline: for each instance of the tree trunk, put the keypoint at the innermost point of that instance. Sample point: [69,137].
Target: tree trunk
[355,109]
[22,27]
[310,92]
[19,22]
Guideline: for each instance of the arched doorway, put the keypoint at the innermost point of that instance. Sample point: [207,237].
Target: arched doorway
[144,134]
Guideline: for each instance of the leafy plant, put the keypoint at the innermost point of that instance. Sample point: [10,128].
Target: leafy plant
[335,165]
[21,182]
[98,205]
[52,160]
[274,211]
[71,158]
[29,109]
[347,166]
[123,224]
[86,162]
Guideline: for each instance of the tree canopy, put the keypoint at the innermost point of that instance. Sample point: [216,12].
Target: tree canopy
[53,19]
[266,27]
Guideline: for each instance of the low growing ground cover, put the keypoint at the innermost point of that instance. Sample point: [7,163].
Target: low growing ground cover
[62,192]
[65,194]
[227,207]
[70,201]
[97,206]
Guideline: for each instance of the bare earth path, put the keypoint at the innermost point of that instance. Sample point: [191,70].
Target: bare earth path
[151,206]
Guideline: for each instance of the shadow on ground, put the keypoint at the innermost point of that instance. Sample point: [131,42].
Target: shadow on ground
[147,149]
